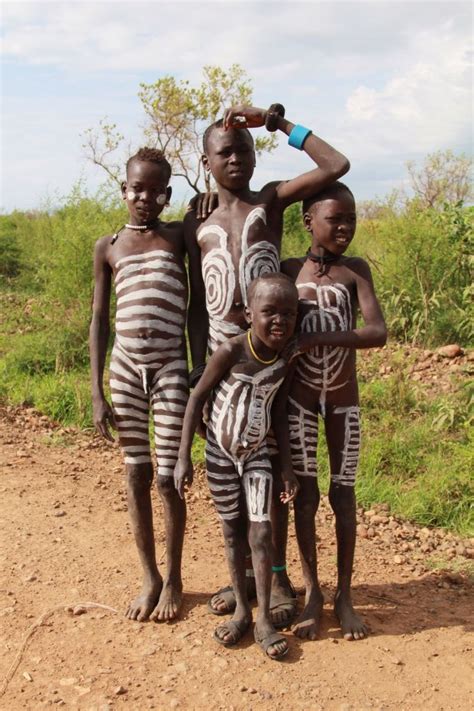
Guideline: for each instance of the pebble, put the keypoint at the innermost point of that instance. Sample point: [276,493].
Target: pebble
[120,690]
[450,351]
[59,513]
[398,559]
[180,668]
[27,676]
[79,610]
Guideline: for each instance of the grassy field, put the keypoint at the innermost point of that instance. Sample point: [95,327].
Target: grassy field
[417,448]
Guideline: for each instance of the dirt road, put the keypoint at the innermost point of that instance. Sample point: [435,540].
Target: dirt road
[66,540]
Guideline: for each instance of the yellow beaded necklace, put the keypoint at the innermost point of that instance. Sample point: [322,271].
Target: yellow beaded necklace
[252,350]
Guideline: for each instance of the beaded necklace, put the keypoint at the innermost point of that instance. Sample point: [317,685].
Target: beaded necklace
[138,228]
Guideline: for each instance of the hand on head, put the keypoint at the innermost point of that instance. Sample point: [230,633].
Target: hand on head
[244,117]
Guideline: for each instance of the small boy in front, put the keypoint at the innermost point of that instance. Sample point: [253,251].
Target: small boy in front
[331,288]
[243,376]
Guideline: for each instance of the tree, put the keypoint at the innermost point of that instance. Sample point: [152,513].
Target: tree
[443,178]
[177,115]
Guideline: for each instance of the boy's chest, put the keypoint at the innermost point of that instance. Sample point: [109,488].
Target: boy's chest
[157,249]
[238,231]
[155,265]
[326,306]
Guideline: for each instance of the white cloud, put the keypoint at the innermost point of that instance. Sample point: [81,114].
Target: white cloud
[383,81]
[426,107]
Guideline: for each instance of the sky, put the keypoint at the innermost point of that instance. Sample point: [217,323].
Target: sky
[385,82]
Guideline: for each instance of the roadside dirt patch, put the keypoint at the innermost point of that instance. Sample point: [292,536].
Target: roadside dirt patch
[66,540]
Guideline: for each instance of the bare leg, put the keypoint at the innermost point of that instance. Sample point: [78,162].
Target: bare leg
[282,599]
[139,480]
[343,502]
[223,601]
[306,506]
[260,542]
[235,537]
[175,522]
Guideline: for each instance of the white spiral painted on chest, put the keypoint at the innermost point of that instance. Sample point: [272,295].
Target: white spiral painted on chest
[218,274]
[260,258]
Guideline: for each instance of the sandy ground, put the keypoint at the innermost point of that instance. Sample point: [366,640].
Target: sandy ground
[66,540]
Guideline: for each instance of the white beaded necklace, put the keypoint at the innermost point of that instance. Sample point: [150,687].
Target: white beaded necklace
[138,228]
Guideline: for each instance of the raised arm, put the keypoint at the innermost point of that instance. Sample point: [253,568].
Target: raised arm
[218,364]
[331,164]
[372,334]
[99,333]
[198,318]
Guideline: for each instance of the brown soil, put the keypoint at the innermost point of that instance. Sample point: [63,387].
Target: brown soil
[66,540]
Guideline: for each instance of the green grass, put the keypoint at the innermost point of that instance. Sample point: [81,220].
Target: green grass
[416,453]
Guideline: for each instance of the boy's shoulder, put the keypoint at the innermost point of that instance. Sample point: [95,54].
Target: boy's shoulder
[357,265]
[292,266]
[173,225]
[102,244]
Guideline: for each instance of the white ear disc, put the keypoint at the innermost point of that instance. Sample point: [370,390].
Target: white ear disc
[130,195]
[161,199]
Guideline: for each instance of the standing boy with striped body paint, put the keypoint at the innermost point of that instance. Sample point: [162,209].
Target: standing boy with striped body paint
[331,289]
[243,377]
[240,241]
[148,368]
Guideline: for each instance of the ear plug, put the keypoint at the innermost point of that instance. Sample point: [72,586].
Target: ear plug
[130,195]
[161,199]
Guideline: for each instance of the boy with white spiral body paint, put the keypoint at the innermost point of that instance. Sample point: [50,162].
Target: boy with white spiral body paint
[240,241]
[331,289]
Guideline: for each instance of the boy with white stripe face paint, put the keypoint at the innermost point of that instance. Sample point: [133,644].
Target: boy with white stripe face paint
[148,368]
[331,288]
[240,241]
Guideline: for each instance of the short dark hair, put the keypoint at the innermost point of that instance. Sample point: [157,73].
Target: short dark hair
[332,192]
[217,124]
[151,155]
[276,278]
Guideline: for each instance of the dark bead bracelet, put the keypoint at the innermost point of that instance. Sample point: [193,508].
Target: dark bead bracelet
[273,113]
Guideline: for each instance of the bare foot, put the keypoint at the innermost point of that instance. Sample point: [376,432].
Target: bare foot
[351,625]
[307,624]
[169,603]
[141,608]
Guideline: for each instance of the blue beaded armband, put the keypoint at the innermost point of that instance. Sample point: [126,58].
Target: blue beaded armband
[298,136]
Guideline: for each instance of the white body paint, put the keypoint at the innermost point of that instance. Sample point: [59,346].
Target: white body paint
[240,417]
[330,310]
[148,369]
[221,277]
